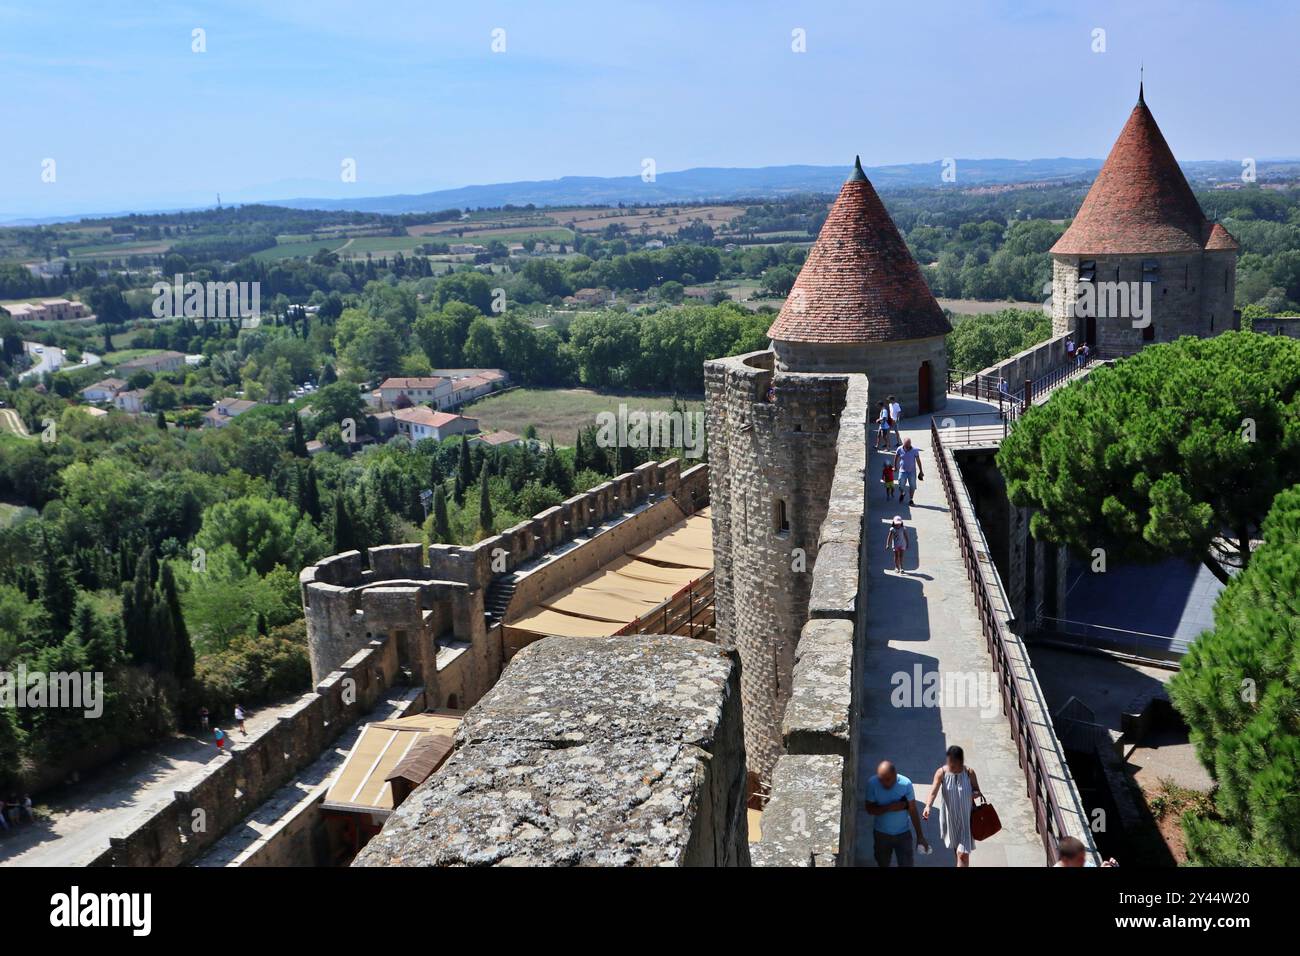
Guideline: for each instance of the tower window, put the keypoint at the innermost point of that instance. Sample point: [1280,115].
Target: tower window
[1149,332]
[780,518]
[1087,270]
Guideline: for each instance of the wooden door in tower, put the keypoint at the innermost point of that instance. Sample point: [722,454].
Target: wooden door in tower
[924,391]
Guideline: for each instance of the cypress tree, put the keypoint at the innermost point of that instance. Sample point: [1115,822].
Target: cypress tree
[485,515]
[310,493]
[161,420]
[441,524]
[183,649]
[57,589]
[345,534]
[464,472]
[298,445]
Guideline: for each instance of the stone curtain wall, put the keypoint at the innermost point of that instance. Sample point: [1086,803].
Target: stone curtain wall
[175,835]
[1030,364]
[616,751]
[770,458]
[810,818]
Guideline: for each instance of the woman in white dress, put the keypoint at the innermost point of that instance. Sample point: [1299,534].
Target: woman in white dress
[959,787]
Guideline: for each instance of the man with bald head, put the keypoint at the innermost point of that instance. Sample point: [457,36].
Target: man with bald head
[893,804]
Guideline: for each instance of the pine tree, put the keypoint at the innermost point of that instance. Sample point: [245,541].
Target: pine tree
[441,524]
[161,420]
[485,515]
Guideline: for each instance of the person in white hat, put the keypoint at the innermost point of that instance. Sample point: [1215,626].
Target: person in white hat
[897,539]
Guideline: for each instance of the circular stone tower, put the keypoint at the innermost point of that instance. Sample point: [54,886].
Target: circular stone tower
[1141,228]
[860,304]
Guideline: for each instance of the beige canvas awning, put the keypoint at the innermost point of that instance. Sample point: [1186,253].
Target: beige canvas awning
[361,783]
[626,588]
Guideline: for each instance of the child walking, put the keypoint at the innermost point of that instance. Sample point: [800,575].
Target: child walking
[887,476]
[897,539]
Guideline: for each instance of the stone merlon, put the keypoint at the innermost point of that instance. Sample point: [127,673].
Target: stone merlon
[623,751]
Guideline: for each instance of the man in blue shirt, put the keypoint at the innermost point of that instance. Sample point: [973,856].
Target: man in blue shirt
[891,801]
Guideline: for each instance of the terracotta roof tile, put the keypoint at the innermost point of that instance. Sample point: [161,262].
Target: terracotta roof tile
[1140,201]
[859,282]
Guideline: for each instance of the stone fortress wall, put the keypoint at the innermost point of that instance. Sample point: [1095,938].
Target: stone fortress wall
[181,829]
[436,611]
[788,597]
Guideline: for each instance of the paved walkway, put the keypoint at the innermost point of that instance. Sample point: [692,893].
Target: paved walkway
[924,622]
[75,824]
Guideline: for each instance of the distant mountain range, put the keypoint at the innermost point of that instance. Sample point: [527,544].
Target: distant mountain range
[721,184]
[703,184]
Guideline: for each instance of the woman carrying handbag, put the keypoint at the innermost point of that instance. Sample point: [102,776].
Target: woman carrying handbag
[958,788]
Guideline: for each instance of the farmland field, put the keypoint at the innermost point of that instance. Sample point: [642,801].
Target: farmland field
[294,250]
[559,413]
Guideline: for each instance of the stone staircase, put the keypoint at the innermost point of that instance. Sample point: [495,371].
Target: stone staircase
[500,593]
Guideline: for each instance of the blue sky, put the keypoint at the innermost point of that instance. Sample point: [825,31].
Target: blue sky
[413,92]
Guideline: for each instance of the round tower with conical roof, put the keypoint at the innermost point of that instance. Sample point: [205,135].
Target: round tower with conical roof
[859,325]
[860,304]
[1140,263]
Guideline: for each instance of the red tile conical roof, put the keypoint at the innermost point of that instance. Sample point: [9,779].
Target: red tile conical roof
[859,283]
[1140,201]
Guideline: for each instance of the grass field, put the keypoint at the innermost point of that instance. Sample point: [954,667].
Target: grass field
[125,355]
[297,250]
[482,237]
[559,413]
[116,249]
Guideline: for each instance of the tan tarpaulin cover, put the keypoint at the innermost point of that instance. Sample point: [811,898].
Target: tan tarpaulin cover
[360,781]
[629,586]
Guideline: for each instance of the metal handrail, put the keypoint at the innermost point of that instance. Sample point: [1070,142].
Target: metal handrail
[1049,820]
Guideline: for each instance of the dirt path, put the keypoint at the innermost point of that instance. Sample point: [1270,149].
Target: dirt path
[12,423]
[75,824]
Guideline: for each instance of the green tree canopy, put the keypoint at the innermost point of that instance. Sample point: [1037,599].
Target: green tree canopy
[1176,451]
[1239,691]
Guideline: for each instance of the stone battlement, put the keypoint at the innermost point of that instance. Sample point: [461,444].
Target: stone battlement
[615,751]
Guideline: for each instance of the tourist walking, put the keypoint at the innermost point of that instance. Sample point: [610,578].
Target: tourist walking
[897,539]
[891,801]
[239,719]
[1069,346]
[882,426]
[895,416]
[221,739]
[1072,854]
[887,476]
[203,718]
[956,787]
[907,470]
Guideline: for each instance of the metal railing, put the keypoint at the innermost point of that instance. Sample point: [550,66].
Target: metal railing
[1049,820]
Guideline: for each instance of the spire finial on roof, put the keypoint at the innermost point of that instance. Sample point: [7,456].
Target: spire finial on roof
[1142,69]
[857,176]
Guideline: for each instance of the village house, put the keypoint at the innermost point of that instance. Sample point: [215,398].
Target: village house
[226,410]
[103,391]
[498,439]
[132,401]
[396,392]
[423,422]
[165,361]
[47,309]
